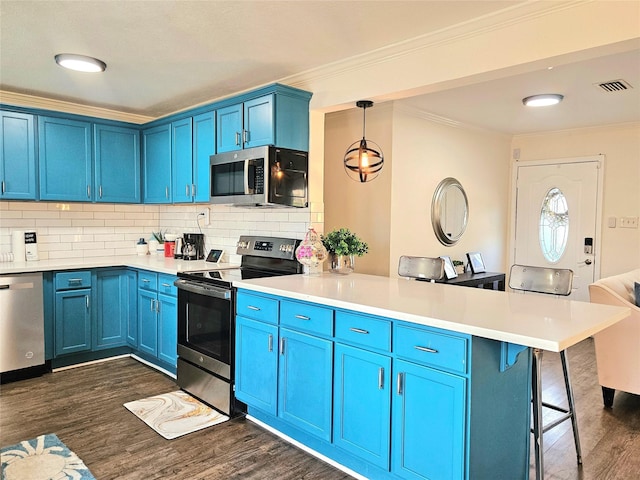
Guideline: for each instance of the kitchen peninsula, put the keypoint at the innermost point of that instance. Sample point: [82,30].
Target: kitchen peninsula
[394,378]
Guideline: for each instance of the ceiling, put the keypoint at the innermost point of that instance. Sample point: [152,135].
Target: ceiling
[164,56]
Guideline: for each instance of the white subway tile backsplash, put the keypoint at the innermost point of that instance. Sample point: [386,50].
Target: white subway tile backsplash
[90,230]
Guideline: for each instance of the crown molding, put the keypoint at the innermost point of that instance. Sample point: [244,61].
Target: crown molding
[31,101]
[520,13]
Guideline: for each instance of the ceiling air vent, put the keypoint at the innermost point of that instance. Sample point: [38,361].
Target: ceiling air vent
[614,86]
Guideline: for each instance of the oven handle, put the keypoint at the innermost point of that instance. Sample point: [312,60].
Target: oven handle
[207,290]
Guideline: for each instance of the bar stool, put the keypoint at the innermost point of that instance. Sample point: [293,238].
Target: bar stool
[554,281]
[421,268]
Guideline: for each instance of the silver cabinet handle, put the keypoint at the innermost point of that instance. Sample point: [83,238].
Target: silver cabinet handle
[359,330]
[145,280]
[193,190]
[245,136]
[270,344]
[151,305]
[426,349]
[87,301]
[100,191]
[158,303]
[88,191]
[186,190]
[238,138]
[3,190]
[399,384]
[74,280]
[381,378]
[303,317]
[251,307]
[166,191]
[282,346]
[166,284]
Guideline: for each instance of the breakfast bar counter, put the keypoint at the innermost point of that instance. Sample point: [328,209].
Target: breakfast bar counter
[401,379]
[533,320]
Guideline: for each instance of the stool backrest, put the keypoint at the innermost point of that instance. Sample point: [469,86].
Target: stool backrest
[421,267]
[555,281]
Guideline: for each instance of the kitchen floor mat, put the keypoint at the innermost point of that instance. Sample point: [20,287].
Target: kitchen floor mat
[175,414]
[42,457]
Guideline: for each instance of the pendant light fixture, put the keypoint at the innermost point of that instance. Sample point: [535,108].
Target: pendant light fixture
[364,159]
[80,63]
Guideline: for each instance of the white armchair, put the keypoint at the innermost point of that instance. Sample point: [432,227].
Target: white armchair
[618,347]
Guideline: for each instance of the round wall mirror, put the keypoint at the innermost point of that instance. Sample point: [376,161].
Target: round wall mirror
[449,211]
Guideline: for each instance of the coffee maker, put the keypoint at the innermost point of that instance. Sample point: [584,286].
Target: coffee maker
[193,248]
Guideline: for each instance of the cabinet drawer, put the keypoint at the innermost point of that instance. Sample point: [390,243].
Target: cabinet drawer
[147,280]
[309,318]
[431,348]
[166,286]
[72,280]
[257,307]
[367,331]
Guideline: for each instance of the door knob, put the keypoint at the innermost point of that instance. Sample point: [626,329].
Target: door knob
[587,261]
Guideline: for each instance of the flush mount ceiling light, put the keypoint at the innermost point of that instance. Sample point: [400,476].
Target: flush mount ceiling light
[80,63]
[363,160]
[543,100]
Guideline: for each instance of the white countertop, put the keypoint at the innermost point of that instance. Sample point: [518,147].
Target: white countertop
[535,320]
[156,263]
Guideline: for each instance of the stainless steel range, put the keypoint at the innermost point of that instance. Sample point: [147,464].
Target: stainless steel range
[206,318]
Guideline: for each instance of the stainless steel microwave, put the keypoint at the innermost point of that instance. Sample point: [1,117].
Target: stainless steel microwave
[260,176]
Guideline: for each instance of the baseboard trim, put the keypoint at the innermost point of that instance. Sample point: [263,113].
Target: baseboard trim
[156,367]
[90,362]
[308,450]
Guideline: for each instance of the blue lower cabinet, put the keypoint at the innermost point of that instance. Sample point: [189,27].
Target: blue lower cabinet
[305,374]
[73,321]
[147,322]
[362,404]
[428,423]
[114,307]
[167,329]
[257,364]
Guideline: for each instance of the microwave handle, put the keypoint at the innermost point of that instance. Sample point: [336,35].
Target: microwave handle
[249,187]
[246,176]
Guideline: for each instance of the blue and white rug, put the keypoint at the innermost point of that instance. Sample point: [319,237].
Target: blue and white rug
[42,458]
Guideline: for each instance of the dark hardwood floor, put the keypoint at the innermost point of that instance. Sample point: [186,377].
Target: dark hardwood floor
[83,406]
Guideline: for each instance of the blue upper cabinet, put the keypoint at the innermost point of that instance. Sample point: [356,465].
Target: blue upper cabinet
[65,159]
[156,155]
[17,157]
[117,168]
[182,161]
[229,129]
[204,145]
[278,118]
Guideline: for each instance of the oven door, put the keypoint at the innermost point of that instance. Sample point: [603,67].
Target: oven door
[205,315]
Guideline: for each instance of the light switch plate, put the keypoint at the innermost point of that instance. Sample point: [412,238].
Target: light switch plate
[611,222]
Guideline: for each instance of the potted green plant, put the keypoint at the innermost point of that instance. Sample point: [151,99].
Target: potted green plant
[459,266]
[343,246]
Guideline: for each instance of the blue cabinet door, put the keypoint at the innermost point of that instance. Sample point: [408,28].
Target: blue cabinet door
[204,145]
[117,169]
[17,157]
[305,382]
[147,322]
[428,419]
[229,129]
[167,329]
[132,315]
[182,160]
[257,364]
[259,122]
[112,307]
[73,321]
[65,159]
[362,404]
[156,164]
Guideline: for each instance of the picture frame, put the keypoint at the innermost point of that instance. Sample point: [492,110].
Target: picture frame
[476,262]
[449,269]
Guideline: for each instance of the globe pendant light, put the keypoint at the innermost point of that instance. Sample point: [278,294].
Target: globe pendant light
[364,159]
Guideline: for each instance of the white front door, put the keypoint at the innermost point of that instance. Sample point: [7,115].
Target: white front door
[556,217]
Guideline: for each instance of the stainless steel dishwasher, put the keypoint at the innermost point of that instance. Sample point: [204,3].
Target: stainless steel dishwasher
[21,322]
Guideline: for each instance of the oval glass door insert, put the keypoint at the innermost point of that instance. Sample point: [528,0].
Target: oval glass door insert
[554,225]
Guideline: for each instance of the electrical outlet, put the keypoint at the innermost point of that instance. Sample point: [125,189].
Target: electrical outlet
[628,222]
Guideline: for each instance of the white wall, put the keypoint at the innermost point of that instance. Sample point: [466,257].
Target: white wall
[425,153]
[621,146]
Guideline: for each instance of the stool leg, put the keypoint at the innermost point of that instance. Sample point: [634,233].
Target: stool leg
[572,407]
[536,392]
